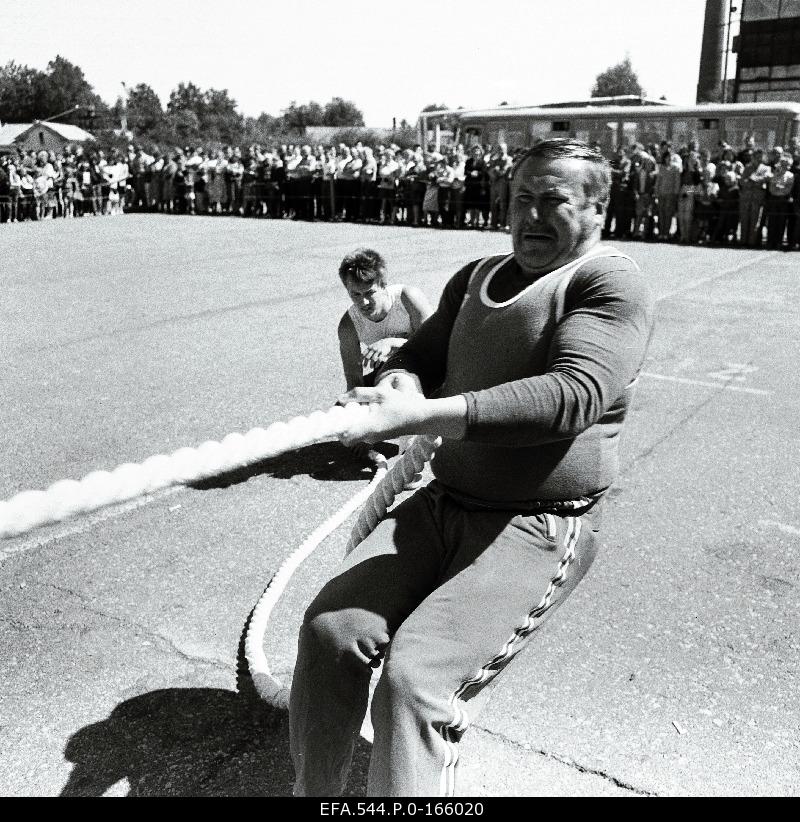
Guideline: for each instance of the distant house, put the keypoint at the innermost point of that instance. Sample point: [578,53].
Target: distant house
[37,136]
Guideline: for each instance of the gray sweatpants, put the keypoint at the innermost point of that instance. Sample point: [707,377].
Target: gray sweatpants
[449,596]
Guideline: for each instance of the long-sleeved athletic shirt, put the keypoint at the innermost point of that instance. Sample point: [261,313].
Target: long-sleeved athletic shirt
[547,375]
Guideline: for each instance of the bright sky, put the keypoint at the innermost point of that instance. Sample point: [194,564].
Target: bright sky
[390,58]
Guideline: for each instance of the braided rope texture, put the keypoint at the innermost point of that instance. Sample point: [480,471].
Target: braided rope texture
[68,498]
[377,498]
[403,473]
[268,686]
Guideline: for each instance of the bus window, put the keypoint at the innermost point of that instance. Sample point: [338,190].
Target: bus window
[765,130]
[512,134]
[652,132]
[791,129]
[472,136]
[609,138]
[683,132]
[538,130]
[737,130]
[597,131]
[515,136]
[708,134]
[586,130]
[630,133]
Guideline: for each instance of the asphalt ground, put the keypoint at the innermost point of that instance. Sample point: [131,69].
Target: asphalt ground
[672,670]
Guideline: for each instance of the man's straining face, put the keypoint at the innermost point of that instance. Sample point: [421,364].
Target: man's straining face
[371,299]
[553,221]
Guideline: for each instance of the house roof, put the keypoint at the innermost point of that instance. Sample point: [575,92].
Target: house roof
[12,132]
[74,134]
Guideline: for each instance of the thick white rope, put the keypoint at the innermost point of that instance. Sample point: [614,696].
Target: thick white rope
[403,473]
[68,498]
[266,684]
[379,496]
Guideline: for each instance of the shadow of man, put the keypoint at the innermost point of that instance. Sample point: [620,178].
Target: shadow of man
[190,742]
[324,461]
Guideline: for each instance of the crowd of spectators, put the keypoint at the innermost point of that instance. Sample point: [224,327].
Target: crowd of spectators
[37,185]
[745,196]
[731,197]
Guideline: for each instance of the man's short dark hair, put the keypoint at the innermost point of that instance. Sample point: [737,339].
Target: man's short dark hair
[364,265]
[568,148]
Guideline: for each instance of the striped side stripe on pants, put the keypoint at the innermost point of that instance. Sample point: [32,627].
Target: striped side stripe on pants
[455,729]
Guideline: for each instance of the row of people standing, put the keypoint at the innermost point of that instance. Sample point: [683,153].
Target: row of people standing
[733,197]
[37,185]
[356,183]
[741,197]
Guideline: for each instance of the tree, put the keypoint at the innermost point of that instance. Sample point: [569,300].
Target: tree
[341,112]
[296,118]
[29,94]
[186,97]
[19,86]
[143,110]
[64,87]
[220,121]
[262,129]
[182,126]
[616,80]
[210,115]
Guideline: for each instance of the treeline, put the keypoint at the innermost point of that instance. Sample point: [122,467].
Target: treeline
[191,116]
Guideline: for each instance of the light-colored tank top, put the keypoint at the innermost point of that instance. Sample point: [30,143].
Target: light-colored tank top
[396,323]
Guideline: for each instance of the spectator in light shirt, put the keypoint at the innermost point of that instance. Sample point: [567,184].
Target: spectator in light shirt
[752,192]
[778,203]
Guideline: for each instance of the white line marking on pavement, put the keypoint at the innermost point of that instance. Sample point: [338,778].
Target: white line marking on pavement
[781,526]
[85,523]
[686,381]
[724,273]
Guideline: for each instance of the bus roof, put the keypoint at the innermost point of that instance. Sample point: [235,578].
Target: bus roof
[618,112]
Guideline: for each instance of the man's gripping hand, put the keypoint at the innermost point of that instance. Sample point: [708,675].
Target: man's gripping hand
[402,381]
[392,412]
[397,407]
[378,353]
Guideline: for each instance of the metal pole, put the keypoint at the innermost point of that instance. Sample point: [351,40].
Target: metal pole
[727,51]
[124,113]
[56,116]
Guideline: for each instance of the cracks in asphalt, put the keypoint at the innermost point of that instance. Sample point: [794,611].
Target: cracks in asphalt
[21,625]
[714,394]
[571,763]
[681,423]
[146,631]
[177,319]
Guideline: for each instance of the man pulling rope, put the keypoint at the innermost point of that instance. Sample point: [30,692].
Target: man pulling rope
[526,370]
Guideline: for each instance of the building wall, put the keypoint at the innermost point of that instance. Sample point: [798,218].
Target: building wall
[39,139]
[768,51]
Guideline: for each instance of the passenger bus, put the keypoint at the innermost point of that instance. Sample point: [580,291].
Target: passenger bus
[769,124]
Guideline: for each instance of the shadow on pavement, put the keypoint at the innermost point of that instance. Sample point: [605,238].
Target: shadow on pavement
[190,742]
[325,461]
